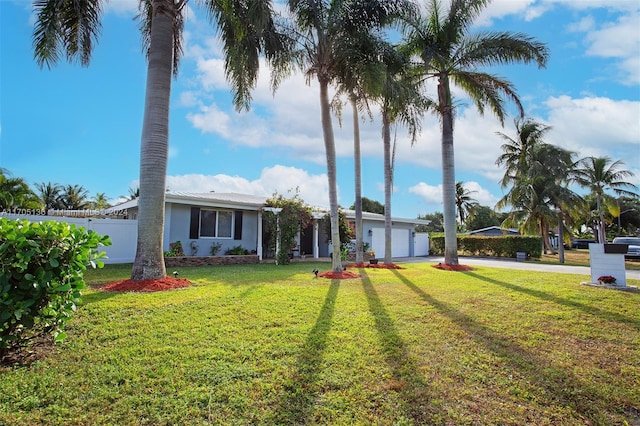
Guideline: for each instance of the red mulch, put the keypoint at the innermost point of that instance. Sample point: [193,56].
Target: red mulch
[377,265]
[446,267]
[161,284]
[344,275]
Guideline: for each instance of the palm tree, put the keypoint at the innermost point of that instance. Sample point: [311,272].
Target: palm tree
[246,29]
[518,151]
[600,174]
[539,195]
[15,193]
[324,33]
[450,54]
[74,197]
[464,203]
[49,195]
[100,201]
[401,101]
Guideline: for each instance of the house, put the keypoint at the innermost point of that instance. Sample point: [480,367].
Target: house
[494,231]
[200,220]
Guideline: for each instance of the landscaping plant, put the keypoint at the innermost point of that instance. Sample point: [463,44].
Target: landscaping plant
[41,277]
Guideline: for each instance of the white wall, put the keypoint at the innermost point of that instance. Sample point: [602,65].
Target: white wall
[123,234]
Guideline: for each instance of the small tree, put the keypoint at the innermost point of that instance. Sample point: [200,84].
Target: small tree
[283,225]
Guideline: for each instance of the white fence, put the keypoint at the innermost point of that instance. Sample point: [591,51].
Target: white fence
[123,233]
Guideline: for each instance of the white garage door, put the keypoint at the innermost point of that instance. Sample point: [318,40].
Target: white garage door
[399,242]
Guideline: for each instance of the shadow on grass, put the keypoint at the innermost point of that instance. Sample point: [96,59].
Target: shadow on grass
[591,310]
[561,386]
[406,379]
[301,389]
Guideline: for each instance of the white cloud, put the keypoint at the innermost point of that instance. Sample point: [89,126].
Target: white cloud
[431,194]
[122,7]
[281,179]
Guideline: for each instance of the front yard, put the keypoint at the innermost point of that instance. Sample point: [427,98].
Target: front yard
[263,344]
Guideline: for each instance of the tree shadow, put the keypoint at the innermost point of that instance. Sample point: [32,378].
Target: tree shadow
[406,380]
[591,310]
[300,390]
[563,387]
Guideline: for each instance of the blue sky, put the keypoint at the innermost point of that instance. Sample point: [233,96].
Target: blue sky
[74,125]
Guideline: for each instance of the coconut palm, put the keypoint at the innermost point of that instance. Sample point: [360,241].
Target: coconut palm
[74,197]
[49,195]
[450,54]
[100,201]
[518,151]
[540,196]
[600,174]
[465,204]
[15,193]
[324,32]
[70,28]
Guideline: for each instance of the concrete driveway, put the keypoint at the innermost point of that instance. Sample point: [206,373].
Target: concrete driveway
[513,264]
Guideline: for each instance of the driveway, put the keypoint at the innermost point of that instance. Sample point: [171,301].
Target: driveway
[513,264]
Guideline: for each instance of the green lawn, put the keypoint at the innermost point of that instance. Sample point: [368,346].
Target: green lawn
[269,344]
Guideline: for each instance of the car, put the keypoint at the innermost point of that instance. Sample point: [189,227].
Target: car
[633,251]
[581,243]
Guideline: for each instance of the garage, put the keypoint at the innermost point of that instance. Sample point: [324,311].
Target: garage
[399,242]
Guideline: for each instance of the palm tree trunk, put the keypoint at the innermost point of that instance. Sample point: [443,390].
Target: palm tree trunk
[386,142]
[602,235]
[149,260]
[448,174]
[358,180]
[330,150]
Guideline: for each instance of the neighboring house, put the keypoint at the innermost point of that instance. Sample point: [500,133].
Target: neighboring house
[494,231]
[199,220]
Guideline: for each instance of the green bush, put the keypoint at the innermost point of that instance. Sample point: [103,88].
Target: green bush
[41,278]
[237,250]
[500,246]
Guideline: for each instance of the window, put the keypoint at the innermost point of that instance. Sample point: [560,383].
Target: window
[210,223]
[215,223]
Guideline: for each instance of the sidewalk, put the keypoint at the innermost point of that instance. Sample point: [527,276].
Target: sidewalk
[513,264]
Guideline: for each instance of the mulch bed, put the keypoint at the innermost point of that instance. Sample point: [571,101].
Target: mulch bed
[161,284]
[344,275]
[446,267]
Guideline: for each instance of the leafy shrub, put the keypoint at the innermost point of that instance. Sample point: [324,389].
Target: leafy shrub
[215,249]
[42,274]
[237,250]
[502,246]
[175,250]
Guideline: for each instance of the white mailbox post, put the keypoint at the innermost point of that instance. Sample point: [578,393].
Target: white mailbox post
[605,260]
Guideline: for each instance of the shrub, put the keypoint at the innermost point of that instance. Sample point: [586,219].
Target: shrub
[175,250]
[502,246]
[215,249]
[42,274]
[237,250]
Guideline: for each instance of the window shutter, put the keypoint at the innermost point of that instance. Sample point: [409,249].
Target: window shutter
[194,228]
[237,231]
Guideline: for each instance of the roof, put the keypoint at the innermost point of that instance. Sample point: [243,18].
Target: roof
[493,228]
[251,202]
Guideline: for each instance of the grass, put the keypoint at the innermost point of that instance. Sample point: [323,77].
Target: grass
[580,257]
[267,345]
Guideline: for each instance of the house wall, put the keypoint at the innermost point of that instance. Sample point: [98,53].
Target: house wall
[177,225]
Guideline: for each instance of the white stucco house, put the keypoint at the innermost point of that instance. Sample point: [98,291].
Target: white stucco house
[199,220]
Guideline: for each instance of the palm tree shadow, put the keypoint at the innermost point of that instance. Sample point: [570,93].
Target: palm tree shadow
[558,382]
[412,387]
[591,310]
[300,390]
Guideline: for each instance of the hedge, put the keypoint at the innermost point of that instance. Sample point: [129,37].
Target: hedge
[500,246]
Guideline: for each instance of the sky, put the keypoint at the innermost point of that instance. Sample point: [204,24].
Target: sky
[82,125]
